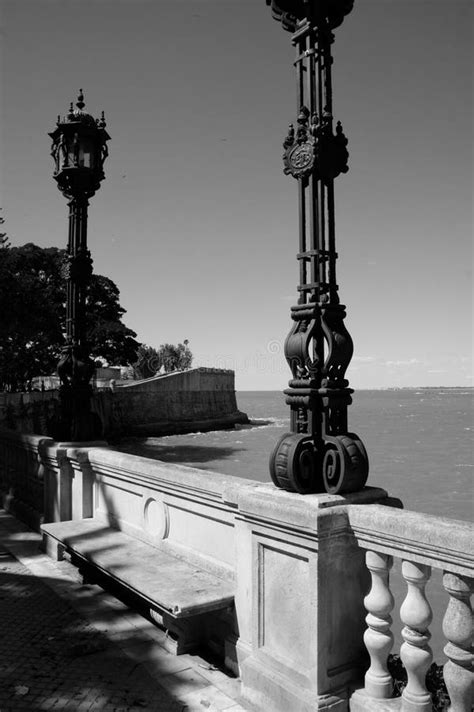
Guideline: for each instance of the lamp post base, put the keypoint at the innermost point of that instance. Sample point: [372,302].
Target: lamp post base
[75,421]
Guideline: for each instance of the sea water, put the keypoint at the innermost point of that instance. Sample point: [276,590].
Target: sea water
[420,448]
[419,443]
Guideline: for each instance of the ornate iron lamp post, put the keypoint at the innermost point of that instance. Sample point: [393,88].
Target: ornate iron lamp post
[319,454]
[79,150]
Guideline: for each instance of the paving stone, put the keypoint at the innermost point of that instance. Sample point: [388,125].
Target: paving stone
[76,647]
[224,681]
[55,652]
[183,682]
[209,699]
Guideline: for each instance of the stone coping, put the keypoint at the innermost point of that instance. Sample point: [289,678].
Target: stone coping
[437,541]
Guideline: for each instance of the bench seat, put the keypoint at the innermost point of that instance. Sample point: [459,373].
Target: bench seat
[165,582]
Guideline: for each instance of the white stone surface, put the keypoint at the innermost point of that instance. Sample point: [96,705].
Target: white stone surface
[305,580]
[296,632]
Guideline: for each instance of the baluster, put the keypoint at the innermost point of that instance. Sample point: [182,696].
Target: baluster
[457,627]
[378,637]
[415,652]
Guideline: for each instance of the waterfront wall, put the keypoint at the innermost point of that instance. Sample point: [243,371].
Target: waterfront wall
[198,399]
[311,625]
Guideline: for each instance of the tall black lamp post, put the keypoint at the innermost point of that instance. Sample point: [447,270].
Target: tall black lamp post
[319,454]
[79,150]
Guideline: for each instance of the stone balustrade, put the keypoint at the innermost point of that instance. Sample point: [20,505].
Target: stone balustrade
[422,542]
[313,599]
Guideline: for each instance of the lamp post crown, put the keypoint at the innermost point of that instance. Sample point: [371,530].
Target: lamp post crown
[291,12]
[79,150]
[80,100]
[78,115]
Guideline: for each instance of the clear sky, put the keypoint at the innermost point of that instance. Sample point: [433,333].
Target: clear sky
[196,222]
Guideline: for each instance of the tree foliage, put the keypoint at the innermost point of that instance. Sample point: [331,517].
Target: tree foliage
[32,316]
[148,362]
[110,340]
[167,358]
[4,242]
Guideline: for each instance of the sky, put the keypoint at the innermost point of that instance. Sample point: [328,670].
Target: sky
[196,222]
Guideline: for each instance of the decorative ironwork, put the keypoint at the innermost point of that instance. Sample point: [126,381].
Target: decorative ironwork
[319,454]
[300,148]
[79,150]
[291,12]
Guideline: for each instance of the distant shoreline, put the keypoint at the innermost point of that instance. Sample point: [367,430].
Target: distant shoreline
[379,388]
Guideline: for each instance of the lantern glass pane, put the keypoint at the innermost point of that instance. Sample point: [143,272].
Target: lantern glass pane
[86,154]
[70,151]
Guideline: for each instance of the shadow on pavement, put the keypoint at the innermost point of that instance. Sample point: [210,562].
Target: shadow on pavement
[49,654]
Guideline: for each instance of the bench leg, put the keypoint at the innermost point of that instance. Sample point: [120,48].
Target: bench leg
[182,636]
[87,576]
[53,548]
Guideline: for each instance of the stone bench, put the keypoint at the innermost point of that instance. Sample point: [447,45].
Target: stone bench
[179,594]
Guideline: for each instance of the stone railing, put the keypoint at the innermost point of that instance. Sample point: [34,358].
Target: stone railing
[22,471]
[312,594]
[422,543]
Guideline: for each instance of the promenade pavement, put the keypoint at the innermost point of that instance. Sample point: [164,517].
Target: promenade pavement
[69,646]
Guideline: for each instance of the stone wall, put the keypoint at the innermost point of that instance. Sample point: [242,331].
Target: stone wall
[28,412]
[199,399]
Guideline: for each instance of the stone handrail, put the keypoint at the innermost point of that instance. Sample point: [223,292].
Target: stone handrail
[422,542]
[425,538]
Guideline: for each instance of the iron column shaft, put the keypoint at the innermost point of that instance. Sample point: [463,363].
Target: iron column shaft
[319,454]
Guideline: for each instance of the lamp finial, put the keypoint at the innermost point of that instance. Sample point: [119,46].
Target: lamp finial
[80,100]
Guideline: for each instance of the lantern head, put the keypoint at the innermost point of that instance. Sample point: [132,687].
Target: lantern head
[79,150]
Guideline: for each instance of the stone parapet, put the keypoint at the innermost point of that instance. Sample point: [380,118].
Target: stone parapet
[311,574]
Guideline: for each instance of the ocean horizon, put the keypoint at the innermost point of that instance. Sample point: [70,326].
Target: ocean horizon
[419,443]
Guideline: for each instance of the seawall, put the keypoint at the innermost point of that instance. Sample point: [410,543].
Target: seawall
[198,399]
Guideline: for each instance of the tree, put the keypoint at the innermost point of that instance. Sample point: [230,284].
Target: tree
[5,281]
[110,340]
[4,242]
[168,357]
[148,363]
[176,358]
[32,316]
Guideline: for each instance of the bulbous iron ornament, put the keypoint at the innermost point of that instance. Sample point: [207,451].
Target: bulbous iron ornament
[319,454]
[79,150]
